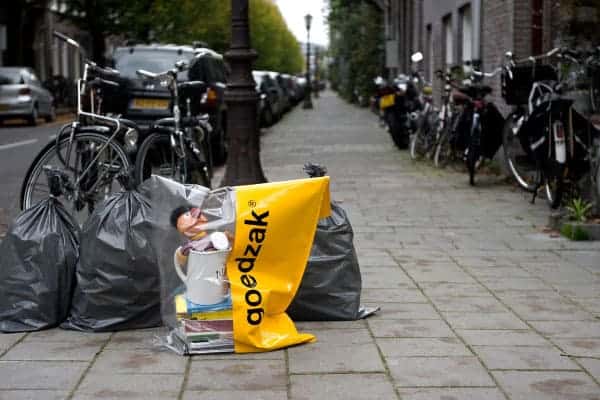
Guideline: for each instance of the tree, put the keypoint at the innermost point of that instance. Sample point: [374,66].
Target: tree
[356,31]
[184,22]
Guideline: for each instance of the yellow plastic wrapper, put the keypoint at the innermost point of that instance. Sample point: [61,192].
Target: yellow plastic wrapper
[274,230]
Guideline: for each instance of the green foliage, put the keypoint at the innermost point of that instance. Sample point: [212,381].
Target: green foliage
[574,232]
[356,29]
[579,209]
[278,49]
[188,21]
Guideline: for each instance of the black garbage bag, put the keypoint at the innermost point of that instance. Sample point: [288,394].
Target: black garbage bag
[331,285]
[38,259]
[118,279]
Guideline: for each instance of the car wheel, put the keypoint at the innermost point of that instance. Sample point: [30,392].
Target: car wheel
[268,118]
[34,116]
[51,115]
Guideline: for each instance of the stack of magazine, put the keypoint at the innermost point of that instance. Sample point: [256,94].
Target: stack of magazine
[205,328]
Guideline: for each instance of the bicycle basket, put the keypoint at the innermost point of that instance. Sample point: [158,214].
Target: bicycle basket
[516,90]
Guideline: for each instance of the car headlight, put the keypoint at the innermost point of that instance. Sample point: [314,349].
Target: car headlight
[402,87]
[131,138]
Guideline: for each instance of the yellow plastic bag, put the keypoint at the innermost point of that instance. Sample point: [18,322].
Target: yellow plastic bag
[274,231]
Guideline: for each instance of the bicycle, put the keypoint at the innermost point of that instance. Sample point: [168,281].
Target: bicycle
[177,148]
[524,83]
[86,150]
[448,139]
[424,140]
[556,134]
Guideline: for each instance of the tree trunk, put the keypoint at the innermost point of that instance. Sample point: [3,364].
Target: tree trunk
[243,161]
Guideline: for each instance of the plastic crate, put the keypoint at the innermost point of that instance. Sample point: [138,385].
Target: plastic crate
[516,91]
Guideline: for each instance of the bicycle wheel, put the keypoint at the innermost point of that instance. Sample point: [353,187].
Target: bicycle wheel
[416,145]
[518,161]
[554,187]
[443,150]
[157,157]
[94,164]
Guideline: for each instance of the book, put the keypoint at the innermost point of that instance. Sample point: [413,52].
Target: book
[184,307]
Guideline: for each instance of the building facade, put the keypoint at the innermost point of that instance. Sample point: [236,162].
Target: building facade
[26,39]
[454,32]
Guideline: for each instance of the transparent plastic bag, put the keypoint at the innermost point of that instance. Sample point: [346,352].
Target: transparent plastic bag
[233,257]
[195,294]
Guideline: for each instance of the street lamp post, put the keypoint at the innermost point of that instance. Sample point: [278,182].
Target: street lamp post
[316,64]
[307,96]
[243,159]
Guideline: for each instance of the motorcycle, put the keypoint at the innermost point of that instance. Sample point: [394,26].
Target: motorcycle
[399,105]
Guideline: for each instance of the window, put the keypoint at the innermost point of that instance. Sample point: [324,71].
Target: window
[429,52]
[2,41]
[467,33]
[391,21]
[448,40]
[537,26]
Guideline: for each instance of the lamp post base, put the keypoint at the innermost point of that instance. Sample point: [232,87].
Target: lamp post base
[307,105]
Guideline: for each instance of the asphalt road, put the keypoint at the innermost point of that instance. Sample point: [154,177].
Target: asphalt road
[19,144]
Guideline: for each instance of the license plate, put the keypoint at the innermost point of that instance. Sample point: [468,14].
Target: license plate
[151,104]
[387,101]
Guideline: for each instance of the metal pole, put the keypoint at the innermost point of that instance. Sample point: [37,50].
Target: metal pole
[316,72]
[307,96]
[243,159]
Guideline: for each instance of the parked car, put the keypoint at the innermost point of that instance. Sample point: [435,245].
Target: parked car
[147,101]
[272,103]
[23,96]
[285,94]
[293,88]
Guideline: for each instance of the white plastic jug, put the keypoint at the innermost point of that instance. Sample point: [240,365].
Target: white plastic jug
[205,280]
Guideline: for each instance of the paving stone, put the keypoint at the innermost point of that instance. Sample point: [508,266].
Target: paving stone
[592,365]
[341,387]
[309,326]
[343,336]
[65,336]
[544,308]
[443,273]
[424,328]
[498,272]
[328,358]
[406,311]
[237,375]
[50,375]
[568,329]
[236,395]
[523,357]
[33,395]
[460,320]
[54,351]
[501,338]
[385,277]
[582,347]
[422,347]
[451,394]
[7,340]
[468,304]
[515,284]
[454,289]
[135,339]
[139,361]
[392,296]
[100,386]
[546,385]
[438,371]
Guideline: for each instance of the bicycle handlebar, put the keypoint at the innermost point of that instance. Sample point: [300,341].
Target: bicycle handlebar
[487,74]
[106,71]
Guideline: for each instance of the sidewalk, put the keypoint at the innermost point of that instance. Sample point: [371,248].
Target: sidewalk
[476,301]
